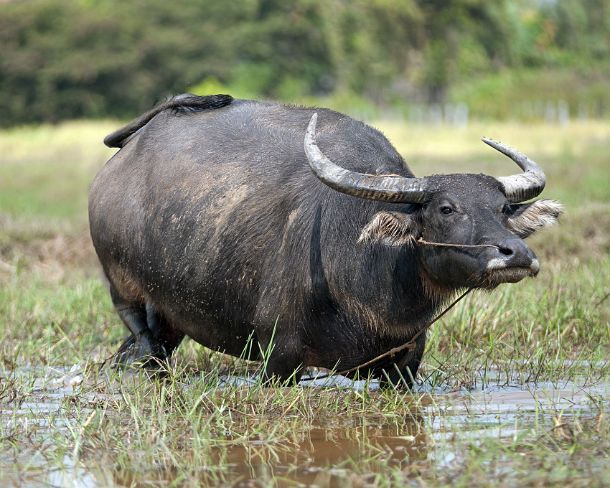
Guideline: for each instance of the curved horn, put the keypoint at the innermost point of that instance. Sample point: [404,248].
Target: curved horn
[526,185]
[396,189]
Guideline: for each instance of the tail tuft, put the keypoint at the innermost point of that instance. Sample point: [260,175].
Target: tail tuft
[179,105]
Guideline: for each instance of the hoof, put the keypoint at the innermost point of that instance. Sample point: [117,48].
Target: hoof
[143,351]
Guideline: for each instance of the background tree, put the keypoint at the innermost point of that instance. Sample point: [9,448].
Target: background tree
[103,58]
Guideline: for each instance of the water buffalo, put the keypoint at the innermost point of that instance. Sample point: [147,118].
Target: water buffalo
[228,220]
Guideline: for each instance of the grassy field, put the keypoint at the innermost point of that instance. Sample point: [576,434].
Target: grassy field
[514,389]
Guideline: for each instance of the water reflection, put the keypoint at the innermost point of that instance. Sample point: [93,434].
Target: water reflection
[347,453]
[330,453]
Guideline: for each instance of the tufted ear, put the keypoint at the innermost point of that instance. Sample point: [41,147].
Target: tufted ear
[391,229]
[528,218]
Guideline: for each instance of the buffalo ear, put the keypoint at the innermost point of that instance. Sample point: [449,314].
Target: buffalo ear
[528,218]
[391,229]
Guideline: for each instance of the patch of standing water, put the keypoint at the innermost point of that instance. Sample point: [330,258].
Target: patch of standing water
[325,451]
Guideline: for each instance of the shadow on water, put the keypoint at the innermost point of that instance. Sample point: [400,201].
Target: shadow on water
[322,453]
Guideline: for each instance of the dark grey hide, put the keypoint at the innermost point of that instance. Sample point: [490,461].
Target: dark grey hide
[210,223]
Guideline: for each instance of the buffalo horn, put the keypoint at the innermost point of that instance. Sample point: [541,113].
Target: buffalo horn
[396,189]
[523,186]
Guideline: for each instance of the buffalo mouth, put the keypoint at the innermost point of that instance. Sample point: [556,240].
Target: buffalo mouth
[498,272]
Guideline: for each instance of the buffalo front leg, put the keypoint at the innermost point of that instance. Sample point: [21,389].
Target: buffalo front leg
[402,372]
[282,358]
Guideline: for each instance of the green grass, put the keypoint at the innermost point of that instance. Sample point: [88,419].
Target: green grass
[524,94]
[123,428]
[45,170]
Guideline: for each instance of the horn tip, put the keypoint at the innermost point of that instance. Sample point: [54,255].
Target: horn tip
[490,142]
[311,127]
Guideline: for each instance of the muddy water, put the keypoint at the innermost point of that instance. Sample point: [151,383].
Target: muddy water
[324,455]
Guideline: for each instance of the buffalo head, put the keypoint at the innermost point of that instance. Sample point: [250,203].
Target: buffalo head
[481,217]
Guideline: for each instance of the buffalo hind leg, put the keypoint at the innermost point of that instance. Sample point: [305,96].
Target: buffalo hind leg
[402,373]
[141,345]
[168,337]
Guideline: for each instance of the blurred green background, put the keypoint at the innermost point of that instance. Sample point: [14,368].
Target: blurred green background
[423,60]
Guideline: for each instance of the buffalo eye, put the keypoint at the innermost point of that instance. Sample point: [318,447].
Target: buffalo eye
[446,210]
[508,209]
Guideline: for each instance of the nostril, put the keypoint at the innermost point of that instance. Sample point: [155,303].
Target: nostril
[507,251]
